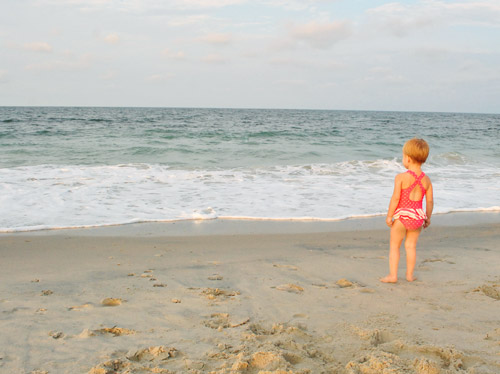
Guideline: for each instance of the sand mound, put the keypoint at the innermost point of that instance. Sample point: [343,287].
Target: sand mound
[279,348]
[410,360]
[492,291]
[147,360]
[266,360]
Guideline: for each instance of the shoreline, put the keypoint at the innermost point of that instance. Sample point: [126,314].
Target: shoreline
[238,226]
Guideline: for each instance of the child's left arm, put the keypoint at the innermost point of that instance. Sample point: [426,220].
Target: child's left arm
[429,205]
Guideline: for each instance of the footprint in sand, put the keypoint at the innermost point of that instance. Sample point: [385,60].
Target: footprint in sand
[115,331]
[216,277]
[319,285]
[367,290]
[159,353]
[112,366]
[493,335]
[375,336]
[110,301]
[56,334]
[221,321]
[218,294]
[159,285]
[134,363]
[430,260]
[289,267]
[293,288]
[344,283]
[80,307]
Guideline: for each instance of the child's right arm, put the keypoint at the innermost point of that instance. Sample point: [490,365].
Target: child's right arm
[394,199]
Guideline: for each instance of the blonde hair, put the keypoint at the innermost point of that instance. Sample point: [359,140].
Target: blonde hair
[417,149]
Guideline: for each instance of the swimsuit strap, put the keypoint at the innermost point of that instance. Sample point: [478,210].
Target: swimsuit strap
[417,181]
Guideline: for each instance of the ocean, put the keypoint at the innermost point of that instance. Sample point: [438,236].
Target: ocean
[64,167]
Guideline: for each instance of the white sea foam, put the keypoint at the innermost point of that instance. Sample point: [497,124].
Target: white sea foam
[48,197]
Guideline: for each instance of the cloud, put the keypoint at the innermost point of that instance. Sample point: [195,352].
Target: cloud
[188,20]
[292,82]
[401,19]
[141,6]
[112,38]
[209,3]
[478,12]
[109,75]
[321,34]
[38,47]
[307,64]
[216,38]
[69,63]
[175,55]
[474,71]
[159,78]
[3,76]
[214,59]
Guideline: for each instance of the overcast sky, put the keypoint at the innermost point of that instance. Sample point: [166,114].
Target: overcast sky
[425,55]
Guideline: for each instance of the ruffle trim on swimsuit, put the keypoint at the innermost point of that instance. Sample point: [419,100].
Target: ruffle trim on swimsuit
[410,213]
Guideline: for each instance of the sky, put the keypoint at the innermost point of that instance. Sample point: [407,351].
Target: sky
[423,55]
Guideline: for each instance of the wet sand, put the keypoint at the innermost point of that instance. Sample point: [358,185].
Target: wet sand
[246,297]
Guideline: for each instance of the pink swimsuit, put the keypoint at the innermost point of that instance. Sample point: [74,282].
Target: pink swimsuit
[410,212]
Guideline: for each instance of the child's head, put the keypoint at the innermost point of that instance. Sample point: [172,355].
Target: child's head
[417,149]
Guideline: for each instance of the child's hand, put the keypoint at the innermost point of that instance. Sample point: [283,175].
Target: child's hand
[427,223]
[388,221]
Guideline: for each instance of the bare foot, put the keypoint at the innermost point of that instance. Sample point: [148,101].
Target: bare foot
[389,279]
[411,278]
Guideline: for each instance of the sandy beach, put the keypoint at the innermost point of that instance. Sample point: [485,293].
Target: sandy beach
[246,297]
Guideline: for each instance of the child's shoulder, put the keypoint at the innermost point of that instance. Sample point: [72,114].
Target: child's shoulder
[400,178]
[426,181]
[403,175]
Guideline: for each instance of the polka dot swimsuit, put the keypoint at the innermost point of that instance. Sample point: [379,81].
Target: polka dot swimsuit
[410,212]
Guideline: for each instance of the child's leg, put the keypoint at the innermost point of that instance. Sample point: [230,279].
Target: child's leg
[398,232]
[411,253]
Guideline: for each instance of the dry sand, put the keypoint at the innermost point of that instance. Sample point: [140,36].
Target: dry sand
[80,301]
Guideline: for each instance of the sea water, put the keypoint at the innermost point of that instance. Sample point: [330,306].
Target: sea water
[79,167]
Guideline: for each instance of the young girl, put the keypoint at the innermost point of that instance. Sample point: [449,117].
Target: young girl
[405,216]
